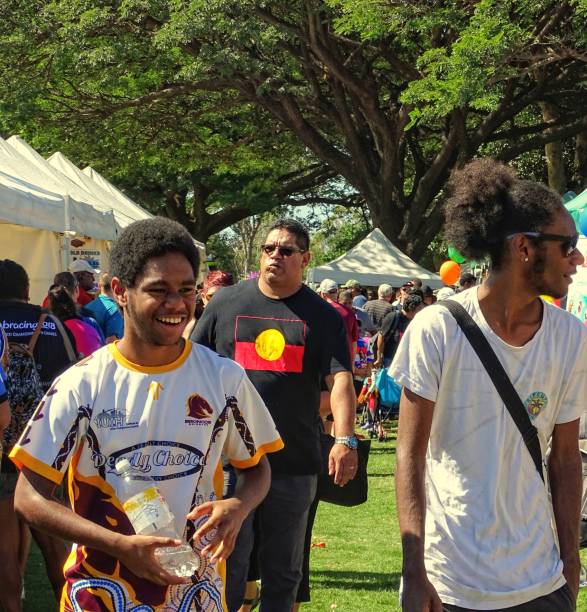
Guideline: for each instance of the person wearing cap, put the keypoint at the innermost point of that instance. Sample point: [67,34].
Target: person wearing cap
[85,276]
[445,293]
[329,291]
[377,309]
[429,297]
[354,286]
[467,281]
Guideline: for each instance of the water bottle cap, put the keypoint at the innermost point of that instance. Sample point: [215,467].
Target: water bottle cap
[122,465]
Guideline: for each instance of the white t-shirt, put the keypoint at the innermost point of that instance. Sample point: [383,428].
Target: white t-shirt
[490,541]
[172,423]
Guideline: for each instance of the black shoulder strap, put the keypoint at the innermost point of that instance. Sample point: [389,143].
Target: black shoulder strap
[500,379]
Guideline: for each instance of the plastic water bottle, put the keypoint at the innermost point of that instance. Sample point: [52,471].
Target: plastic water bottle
[149,514]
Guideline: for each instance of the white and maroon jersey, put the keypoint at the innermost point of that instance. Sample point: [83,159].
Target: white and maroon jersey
[172,423]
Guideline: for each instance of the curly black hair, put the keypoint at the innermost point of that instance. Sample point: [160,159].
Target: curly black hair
[413,300]
[487,202]
[146,239]
[14,281]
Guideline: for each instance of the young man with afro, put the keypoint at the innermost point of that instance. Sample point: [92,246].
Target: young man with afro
[172,409]
[476,518]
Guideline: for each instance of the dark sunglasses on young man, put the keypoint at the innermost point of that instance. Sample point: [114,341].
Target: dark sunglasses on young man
[284,251]
[568,243]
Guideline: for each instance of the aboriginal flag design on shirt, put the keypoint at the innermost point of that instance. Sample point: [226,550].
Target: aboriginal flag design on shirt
[263,343]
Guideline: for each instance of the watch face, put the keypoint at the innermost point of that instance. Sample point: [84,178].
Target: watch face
[353,443]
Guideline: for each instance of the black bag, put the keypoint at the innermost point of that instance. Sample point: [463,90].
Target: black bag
[500,380]
[355,491]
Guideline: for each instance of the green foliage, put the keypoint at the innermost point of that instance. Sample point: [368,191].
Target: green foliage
[109,92]
[221,106]
[457,76]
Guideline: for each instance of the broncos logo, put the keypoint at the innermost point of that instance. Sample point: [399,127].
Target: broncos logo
[198,408]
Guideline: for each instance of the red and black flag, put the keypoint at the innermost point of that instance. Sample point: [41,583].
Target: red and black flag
[262,343]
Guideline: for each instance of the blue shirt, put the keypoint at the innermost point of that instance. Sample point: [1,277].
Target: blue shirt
[106,312]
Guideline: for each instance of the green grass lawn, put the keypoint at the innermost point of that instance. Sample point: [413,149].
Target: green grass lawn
[358,568]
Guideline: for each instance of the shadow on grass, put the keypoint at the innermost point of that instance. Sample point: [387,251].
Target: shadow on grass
[357,581]
[383,474]
[382,450]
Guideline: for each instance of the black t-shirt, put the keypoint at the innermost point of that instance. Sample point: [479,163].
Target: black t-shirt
[19,321]
[392,329]
[286,347]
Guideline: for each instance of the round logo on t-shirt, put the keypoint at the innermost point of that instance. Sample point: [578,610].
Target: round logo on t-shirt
[270,344]
[535,403]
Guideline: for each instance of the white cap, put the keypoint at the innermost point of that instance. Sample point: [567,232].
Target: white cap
[122,465]
[327,286]
[445,293]
[82,265]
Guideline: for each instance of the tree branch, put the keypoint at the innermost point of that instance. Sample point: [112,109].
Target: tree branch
[551,134]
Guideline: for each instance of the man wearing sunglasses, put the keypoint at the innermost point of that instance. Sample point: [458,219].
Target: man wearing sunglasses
[480,528]
[288,340]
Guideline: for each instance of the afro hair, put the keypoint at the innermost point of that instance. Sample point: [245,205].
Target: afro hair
[146,239]
[487,202]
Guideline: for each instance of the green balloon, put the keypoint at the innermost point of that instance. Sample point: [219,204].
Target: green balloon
[455,255]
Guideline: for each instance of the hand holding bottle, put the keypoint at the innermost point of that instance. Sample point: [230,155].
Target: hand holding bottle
[154,524]
[225,516]
[138,553]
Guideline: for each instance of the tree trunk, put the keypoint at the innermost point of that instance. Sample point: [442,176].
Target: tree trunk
[557,179]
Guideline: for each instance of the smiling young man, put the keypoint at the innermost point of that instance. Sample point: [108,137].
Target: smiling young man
[288,340]
[475,516]
[172,409]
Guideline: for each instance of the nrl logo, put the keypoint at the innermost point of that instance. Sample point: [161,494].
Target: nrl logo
[198,408]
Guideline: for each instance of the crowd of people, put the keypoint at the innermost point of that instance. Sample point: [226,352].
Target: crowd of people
[219,395]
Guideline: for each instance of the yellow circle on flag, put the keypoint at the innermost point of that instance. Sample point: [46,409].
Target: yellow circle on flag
[269,344]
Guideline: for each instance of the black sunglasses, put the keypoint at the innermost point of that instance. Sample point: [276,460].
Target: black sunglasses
[568,243]
[285,251]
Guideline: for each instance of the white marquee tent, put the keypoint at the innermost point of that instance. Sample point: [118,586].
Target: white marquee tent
[375,260]
[44,204]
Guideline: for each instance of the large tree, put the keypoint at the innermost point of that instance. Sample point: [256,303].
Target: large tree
[207,159]
[389,96]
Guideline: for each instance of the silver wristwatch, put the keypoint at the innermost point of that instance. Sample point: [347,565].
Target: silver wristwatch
[349,441]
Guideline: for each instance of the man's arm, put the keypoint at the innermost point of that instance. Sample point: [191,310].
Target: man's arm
[565,472]
[413,435]
[342,462]
[227,515]
[34,501]
[379,346]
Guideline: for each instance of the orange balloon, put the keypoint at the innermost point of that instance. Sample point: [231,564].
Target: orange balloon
[450,272]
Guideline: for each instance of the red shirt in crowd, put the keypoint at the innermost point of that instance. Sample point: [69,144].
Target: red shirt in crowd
[350,322]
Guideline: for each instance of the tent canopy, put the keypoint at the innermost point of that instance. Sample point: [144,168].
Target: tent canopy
[375,260]
[34,196]
[576,206]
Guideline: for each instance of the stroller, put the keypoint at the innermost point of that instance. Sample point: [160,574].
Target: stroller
[380,397]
